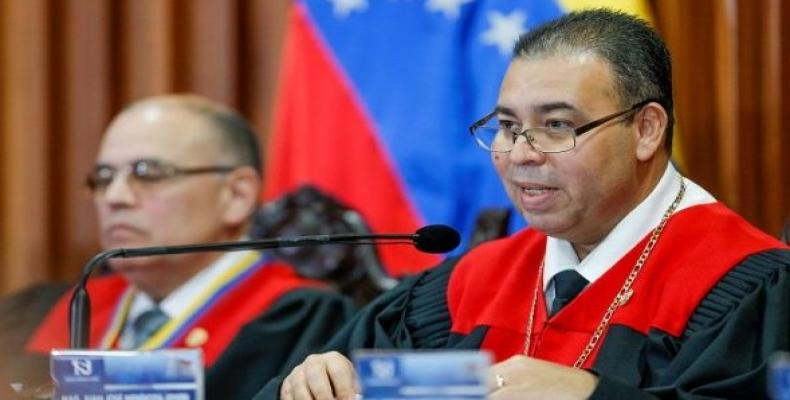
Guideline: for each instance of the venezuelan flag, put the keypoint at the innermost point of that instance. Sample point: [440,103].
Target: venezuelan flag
[375,100]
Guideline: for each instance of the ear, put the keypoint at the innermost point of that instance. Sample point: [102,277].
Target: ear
[240,196]
[651,126]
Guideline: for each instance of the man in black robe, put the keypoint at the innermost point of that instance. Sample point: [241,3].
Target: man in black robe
[631,280]
[174,170]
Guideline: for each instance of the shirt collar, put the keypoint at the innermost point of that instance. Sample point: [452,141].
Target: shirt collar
[173,304]
[560,254]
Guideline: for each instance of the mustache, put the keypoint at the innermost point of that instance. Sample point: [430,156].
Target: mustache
[521,173]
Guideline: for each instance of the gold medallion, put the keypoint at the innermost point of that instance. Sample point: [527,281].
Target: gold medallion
[197,337]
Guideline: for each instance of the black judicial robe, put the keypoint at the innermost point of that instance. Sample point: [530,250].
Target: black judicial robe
[710,307]
[267,310]
[297,323]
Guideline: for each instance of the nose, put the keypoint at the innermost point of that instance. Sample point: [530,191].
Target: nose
[524,152]
[119,192]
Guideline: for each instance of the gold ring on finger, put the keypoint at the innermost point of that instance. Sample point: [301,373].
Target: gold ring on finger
[500,381]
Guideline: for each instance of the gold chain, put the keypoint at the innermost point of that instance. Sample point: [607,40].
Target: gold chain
[528,340]
[623,295]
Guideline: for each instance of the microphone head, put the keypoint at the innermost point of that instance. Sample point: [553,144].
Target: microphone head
[436,239]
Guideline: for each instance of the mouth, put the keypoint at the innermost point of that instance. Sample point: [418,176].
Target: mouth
[534,189]
[121,232]
[535,196]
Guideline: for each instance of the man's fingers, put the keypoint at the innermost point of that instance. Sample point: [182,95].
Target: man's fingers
[341,373]
[317,377]
[321,377]
[285,389]
[509,372]
[297,384]
[506,394]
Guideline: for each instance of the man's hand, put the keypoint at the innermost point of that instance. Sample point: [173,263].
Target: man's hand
[522,377]
[324,376]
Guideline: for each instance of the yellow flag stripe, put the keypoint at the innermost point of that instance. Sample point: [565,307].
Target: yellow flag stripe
[636,7]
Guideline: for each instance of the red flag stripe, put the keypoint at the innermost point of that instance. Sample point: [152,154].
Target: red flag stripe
[322,135]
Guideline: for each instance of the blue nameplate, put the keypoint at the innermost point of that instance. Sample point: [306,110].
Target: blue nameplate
[172,374]
[422,375]
[779,377]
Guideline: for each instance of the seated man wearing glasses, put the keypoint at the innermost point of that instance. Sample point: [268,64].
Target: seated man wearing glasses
[631,280]
[176,170]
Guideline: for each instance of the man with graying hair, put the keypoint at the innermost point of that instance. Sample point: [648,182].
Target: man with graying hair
[631,281]
[176,170]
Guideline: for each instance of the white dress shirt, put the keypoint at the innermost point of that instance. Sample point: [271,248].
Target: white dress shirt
[173,305]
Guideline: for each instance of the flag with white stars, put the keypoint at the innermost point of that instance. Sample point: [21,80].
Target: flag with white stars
[375,101]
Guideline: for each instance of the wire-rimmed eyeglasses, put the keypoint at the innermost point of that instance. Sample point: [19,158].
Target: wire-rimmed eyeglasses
[145,171]
[501,136]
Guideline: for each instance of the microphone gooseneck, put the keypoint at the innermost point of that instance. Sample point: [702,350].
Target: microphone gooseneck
[429,239]
[80,305]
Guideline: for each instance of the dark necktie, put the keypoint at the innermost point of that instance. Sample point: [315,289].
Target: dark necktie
[146,324]
[567,284]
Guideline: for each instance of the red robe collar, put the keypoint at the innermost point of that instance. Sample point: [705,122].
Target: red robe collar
[493,285]
[219,324]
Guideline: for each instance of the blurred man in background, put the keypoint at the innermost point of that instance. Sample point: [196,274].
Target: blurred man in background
[176,170]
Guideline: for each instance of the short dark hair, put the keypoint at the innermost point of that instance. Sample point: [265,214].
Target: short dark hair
[239,135]
[640,62]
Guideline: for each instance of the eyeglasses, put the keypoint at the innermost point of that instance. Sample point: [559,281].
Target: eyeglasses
[500,136]
[145,171]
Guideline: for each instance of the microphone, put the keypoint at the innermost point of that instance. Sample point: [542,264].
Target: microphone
[428,239]
[436,239]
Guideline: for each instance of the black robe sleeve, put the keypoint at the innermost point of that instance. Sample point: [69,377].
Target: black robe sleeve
[413,315]
[726,347]
[295,325]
